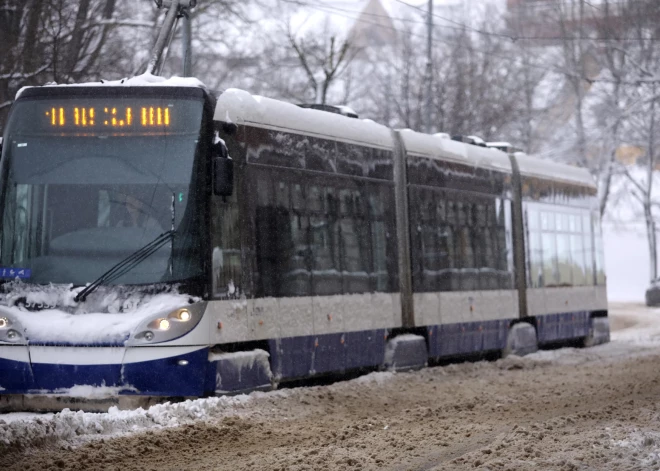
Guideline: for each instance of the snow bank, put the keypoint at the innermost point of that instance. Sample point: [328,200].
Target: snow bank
[67,425]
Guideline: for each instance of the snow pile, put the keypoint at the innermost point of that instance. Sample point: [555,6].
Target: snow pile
[644,444]
[108,315]
[377,378]
[68,425]
[30,429]
[93,392]
[644,328]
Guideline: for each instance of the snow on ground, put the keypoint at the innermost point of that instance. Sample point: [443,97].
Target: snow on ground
[67,425]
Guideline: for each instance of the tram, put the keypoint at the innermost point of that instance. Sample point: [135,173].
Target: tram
[158,241]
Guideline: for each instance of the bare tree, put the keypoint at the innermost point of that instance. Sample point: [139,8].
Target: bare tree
[50,40]
[323,59]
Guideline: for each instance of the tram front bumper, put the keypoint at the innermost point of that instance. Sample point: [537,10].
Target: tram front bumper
[95,372]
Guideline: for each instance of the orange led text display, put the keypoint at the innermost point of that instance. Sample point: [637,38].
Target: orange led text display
[143,117]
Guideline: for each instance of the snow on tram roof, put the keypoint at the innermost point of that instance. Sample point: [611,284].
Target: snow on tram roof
[541,168]
[144,80]
[241,107]
[441,147]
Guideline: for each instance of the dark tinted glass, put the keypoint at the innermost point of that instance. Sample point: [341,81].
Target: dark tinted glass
[326,236]
[78,199]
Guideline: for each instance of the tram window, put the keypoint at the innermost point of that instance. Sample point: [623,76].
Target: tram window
[276,148]
[297,197]
[577,255]
[599,253]
[226,243]
[381,164]
[376,215]
[587,239]
[461,214]
[458,245]
[321,237]
[535,260]
[295,262]
[549,248]
[324,253]
[564,268]
[281,241]
[354,242]
[440,208]
[547,221]
[282,194]
[320,154]
[565,249]
[353,160]
[504,243]
[264,193]
[315,199]
[533,220]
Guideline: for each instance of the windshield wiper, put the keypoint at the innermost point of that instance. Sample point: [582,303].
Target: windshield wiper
[126,264]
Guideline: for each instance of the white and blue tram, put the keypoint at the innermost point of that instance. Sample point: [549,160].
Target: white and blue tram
[140,259]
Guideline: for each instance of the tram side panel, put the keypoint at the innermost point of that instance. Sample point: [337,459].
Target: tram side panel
[565,270]
[461,250]
[318,269]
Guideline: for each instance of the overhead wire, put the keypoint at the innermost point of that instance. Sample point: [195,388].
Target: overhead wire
[463,27]
[339,12]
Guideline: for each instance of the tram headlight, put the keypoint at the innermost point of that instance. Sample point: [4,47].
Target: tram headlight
[10,329]
[182,315]
[163,324]
[168,325]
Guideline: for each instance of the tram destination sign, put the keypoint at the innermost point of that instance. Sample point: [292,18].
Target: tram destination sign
[104,115]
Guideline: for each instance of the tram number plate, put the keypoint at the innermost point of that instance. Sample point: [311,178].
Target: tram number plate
[15,273]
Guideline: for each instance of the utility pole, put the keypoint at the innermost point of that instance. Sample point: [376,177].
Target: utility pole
[186,45]
[429,68]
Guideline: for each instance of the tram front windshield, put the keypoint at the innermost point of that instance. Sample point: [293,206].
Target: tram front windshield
[88,181]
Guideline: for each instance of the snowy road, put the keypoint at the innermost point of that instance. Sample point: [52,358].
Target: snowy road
[587,409]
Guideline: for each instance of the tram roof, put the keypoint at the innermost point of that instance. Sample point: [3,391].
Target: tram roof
[241,107]
[547,169]
[441,147]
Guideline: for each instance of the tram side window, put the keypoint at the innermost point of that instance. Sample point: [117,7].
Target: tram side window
[599,251]
[559,248]
[434,242]
[324,244]
[282,248]
[535,253]
[578,261]
[458,243]
[320,237]
[378,230]
[354,231]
